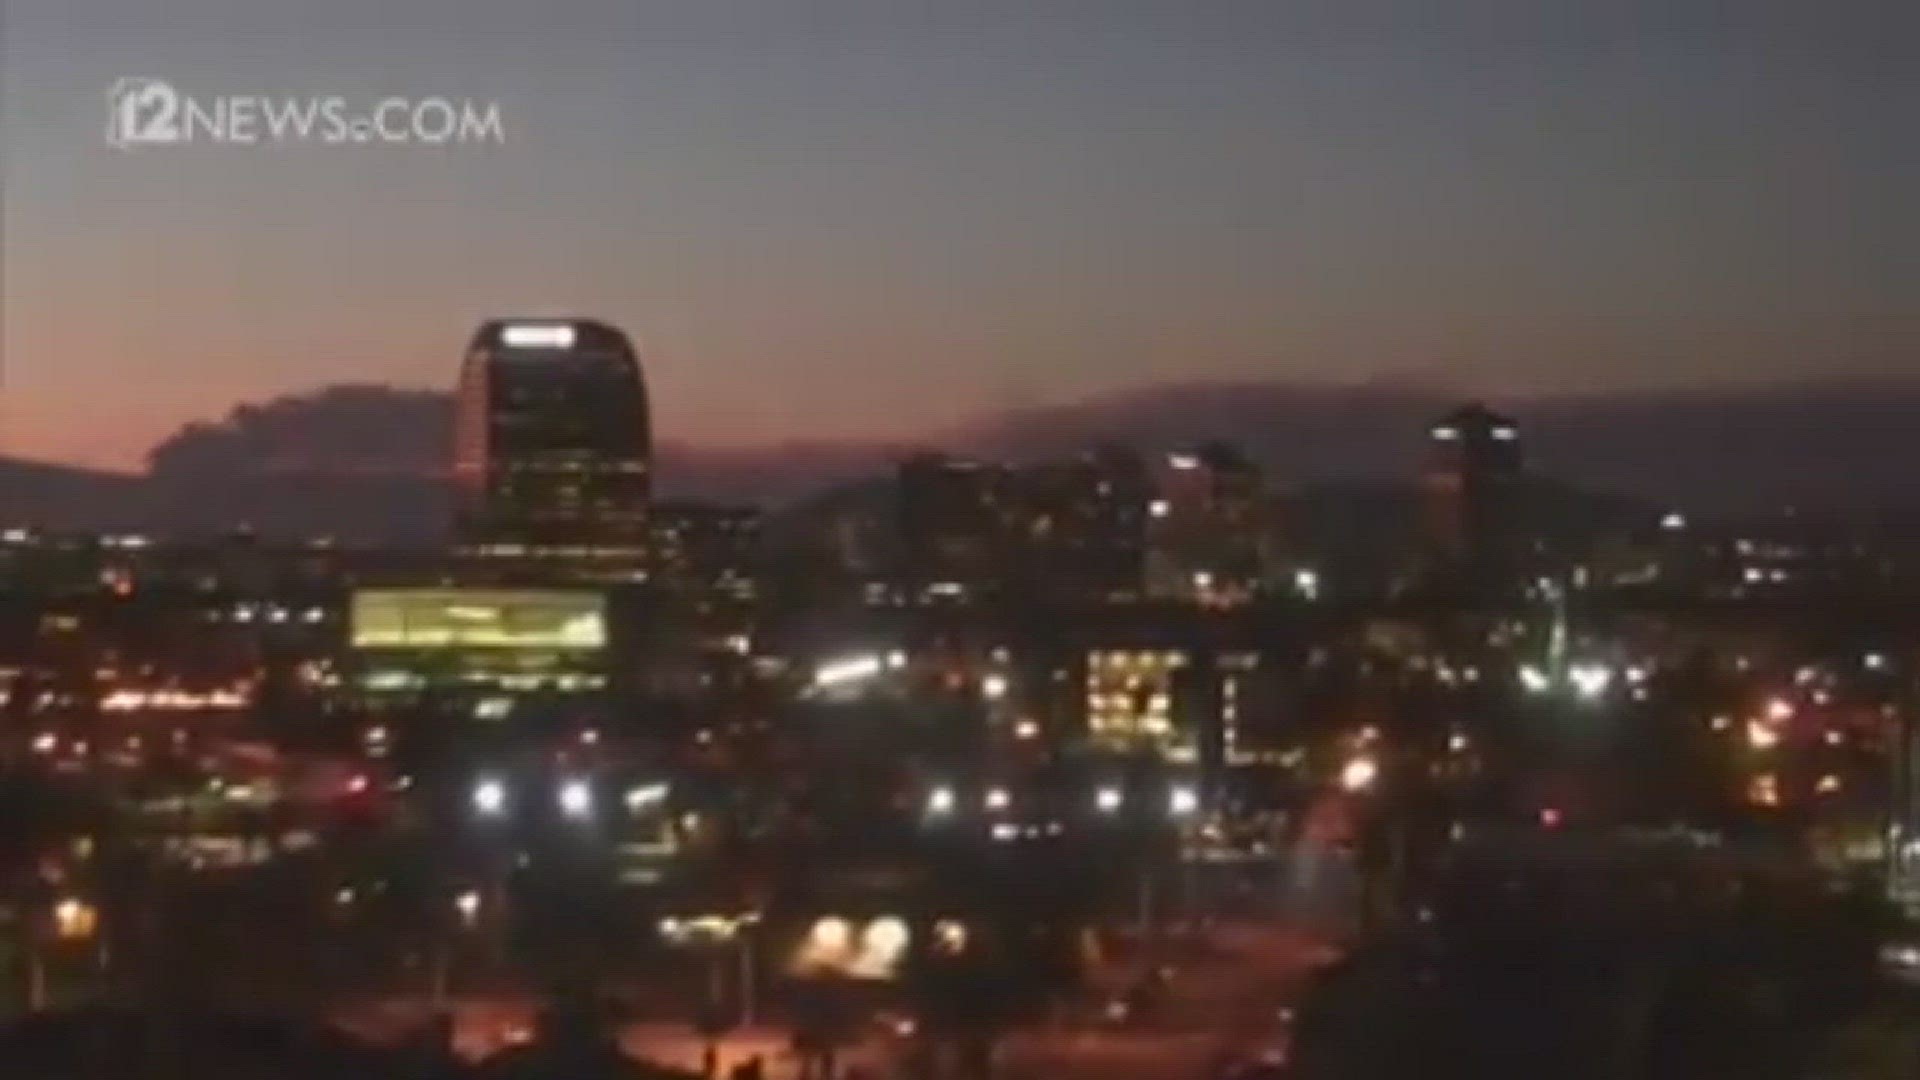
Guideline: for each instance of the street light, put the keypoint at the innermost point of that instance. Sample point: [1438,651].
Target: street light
[1182,800]
[1108,800]
[940,802]
[490,798]
[1590,680]
[75,919]
[1359,774]
[998,799]
[576,800]
[831,934]
[468,905]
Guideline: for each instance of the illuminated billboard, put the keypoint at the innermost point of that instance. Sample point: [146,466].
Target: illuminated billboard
[478,619]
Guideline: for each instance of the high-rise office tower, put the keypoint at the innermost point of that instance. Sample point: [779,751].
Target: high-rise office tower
[950,527]
[553,448]
[1210,526]
[1077,528]
[1474,489]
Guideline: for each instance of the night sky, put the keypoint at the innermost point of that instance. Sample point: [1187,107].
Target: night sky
[843,220]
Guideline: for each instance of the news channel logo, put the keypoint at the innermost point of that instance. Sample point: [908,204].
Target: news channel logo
[147,112]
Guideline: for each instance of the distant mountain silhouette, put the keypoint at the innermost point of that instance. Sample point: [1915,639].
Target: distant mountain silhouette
[367,462]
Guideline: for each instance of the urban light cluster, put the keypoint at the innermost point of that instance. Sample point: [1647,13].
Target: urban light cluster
[839,946]
[574,798]
[131,700]
[1182,800]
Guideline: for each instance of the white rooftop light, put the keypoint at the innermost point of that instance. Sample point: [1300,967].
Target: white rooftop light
[538,336]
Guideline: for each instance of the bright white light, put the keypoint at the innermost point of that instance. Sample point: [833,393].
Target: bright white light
[841,672]
[1005,831]
[538,337]
[45,743]
[645,795]
[490,798]
[1590,680]
[887,936]
[1505,434]
[940,801]
[896,659]
[1159,508]
[1456,742]
[1182,800]
[1359,774]
[1534,680]
[1779,709]
[998,799]
[1183,461]
[576,799]
[1445,434]
[994,687]
[1761,737]
[1874,661]
[1108,800]
[1307,583]
[74,918]
[1026,729]
[831,935]
[468,905]
[1673,522]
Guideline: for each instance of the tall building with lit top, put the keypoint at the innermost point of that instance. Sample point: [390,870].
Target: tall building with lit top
[950,527]
[553,446]
[1210,527]
[1474,489]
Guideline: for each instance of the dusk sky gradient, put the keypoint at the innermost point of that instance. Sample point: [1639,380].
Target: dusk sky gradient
[845,220]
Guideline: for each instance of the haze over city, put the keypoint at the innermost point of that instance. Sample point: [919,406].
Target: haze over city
[868,223]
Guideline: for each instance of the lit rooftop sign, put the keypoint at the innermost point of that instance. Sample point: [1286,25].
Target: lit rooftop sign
[538,336]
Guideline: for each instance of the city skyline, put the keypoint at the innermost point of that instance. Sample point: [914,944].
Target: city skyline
[856,227]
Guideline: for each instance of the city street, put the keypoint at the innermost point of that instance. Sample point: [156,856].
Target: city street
[1219,1010]
[1222,1006]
